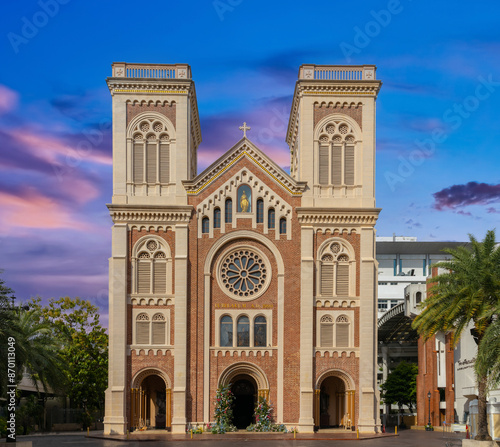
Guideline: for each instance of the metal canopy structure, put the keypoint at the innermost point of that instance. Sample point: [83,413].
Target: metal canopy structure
[395,327]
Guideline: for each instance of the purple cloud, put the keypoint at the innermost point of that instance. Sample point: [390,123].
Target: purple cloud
[472,193]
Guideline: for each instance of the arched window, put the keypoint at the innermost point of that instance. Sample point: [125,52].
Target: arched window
[151,264]
[326,331]
[342,335]
[159,329]
[335,270]
[142,329]
[283,225]
[229,211]
[243,329]
[418,297]
[205,225]
[150,152]
[217,218]
[336,154]
[270,218]
[226,331]
[260,211]
[260,331]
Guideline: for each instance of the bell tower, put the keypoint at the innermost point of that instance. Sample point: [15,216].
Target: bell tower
[331,134]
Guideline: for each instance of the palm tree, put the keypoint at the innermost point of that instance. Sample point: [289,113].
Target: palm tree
[467,292]
[37,350]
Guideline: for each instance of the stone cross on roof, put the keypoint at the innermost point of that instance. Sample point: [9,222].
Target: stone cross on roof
[244,128]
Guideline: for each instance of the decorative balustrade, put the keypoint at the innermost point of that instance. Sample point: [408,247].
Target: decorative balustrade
[337,72]
[151,71]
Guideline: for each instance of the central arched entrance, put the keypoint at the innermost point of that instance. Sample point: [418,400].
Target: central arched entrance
[244,390]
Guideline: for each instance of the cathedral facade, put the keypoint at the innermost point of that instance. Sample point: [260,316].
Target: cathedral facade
[243,275]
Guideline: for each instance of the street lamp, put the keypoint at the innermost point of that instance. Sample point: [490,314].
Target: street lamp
[429,397]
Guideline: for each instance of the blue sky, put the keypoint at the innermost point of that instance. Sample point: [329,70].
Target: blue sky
[438,125]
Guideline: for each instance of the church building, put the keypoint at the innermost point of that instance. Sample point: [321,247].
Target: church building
[243,274]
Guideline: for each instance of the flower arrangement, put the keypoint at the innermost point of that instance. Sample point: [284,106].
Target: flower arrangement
[223,411]
[263,419]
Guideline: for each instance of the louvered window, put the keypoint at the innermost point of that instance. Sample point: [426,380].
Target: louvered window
[144,274]
[159,330]
[326,331]
[327,279]
[336,165]
[154,161]
[342,285]
[342,332]
[164,163]
[142,329]
[323,164]
[349,165]
[151,267]
[138,160]
[159,276]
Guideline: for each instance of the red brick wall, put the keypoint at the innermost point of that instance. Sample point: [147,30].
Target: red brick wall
[165,109]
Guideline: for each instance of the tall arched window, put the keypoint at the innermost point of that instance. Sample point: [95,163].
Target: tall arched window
[260,211]
[326,331]
[226,331]
[217,218]
[150,152]
[243,330]
[283,225]
[229,211]
[159,329]
[152,262]
[270,218]
[342,334]
[142,329]
[337,154]
[335,270]
[418,297]
[260,331]
[205,225]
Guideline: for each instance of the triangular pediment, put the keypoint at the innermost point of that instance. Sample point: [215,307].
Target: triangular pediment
[244,148]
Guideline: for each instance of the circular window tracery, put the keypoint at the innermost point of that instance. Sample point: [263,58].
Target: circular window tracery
[244,274]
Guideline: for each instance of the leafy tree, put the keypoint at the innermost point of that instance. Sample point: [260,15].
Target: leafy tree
[84,352]
[468,292]
[401,386]
[6,316]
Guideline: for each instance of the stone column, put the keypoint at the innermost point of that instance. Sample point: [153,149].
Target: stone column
[180,330]
[115,420]
[306,420]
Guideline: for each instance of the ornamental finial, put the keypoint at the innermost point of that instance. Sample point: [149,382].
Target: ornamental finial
[244,128]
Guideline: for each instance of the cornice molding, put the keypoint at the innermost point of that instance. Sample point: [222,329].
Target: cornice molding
[244,148]
[150,214]
[335,216]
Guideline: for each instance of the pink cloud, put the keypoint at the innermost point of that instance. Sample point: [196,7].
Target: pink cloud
[54,150]
[33,210]
[8,99]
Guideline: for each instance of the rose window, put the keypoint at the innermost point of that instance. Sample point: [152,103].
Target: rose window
[243,274]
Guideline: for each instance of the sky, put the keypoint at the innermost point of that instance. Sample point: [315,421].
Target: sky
[438,120]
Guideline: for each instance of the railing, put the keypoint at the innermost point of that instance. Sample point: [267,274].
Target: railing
[337,72]
[151,71]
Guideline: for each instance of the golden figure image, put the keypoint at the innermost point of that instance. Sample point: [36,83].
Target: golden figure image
[244,203]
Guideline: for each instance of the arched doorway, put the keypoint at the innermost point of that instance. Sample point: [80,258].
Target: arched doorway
[244,390]
[150,402]
[335,402]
